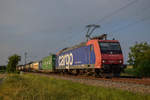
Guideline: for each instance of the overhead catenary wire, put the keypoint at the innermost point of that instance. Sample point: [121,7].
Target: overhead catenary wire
[104,18]
[109,15]
[117,11]
[131,24]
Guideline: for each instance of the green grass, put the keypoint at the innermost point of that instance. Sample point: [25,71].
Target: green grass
[33,87]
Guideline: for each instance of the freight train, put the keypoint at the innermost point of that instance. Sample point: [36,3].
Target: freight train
[97,56]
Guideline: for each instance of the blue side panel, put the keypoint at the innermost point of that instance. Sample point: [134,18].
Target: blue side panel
[78,56]
[92,57]
[81,56]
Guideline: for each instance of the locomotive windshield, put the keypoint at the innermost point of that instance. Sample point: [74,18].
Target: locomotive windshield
[110,47]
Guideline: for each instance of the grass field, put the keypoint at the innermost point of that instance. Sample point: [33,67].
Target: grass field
[32,87]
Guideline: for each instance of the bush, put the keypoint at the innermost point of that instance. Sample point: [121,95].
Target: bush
[2,71]
[130,71]
[143,68]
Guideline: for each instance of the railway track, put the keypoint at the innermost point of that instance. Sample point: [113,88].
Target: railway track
[122,79]
[142,81]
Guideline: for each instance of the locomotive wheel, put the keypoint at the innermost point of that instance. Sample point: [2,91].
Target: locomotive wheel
[106,75]
[97,73]
[116,74]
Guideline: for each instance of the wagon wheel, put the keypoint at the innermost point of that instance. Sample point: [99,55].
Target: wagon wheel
[77,72]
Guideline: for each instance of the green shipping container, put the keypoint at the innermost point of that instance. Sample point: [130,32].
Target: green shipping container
[48,63]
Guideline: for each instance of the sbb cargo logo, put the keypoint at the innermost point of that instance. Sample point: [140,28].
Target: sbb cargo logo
[66,59]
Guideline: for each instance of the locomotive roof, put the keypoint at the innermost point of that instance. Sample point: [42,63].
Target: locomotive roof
[83,44]
[71,48]
[108,40]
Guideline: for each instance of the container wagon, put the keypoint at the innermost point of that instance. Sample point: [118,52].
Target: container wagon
[48,63]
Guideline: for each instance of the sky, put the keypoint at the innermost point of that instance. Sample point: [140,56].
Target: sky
[40,27]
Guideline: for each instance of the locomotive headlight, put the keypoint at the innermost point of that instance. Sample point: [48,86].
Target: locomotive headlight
[103,61]
[120,61]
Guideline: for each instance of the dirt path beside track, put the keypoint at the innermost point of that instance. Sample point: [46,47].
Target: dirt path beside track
[2,76]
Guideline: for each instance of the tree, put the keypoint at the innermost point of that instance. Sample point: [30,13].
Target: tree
[13,62]
[136,52]
[139,57]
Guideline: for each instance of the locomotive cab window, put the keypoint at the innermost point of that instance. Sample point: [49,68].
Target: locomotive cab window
[110,47]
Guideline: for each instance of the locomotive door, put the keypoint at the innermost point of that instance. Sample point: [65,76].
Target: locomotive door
[91,55]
